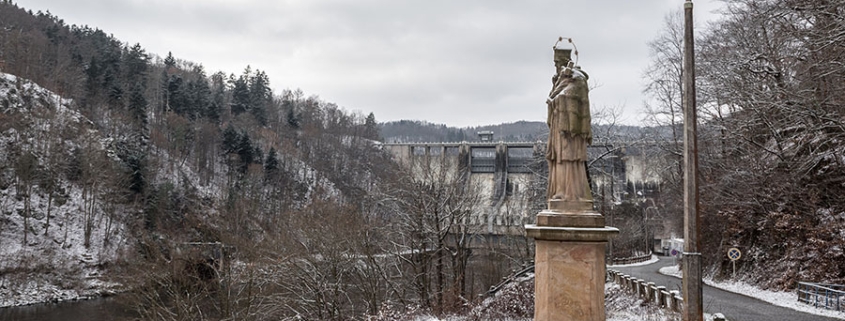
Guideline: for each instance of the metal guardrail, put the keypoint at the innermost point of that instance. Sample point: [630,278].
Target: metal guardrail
[828,296]
[650,292]
[508,279]
[631,260]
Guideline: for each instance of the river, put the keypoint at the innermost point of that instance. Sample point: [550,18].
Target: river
[98,309]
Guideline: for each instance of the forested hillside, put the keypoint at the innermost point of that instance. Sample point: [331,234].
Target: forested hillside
[410,131]
[116,164]
[415,131]
[772,121]
[206,194]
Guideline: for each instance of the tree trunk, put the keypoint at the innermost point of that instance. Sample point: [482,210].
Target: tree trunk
[439,290]
[26,212]
[89,216]
[49,206]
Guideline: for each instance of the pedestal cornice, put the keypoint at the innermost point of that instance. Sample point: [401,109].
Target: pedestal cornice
[572,234]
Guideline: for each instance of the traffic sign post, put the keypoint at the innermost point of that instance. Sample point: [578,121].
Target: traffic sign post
[734,254]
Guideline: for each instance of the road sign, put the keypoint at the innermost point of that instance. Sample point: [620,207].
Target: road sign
[734,254]
[674,252]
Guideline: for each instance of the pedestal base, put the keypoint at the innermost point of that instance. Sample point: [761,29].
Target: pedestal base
[588,219]
[569,272]
[562,206]
[570,214]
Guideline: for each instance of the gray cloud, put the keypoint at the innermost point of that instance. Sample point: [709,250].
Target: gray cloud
[457,62]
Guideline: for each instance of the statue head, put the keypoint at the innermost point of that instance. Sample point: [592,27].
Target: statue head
[562,57]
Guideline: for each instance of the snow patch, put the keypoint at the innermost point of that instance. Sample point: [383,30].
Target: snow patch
[53,264]
[786,299]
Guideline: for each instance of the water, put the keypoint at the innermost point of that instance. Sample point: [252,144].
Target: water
[99,309]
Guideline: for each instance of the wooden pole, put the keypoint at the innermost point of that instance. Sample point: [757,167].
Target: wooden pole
[692,257]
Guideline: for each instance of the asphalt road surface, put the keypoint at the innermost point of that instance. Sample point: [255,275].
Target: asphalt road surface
[735,307]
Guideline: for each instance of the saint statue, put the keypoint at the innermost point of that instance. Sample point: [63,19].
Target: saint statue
[569,132]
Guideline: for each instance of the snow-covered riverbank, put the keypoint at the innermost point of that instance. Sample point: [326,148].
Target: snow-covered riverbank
[53,265]
[13,293]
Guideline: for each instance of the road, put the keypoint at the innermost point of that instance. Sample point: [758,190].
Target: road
[735,307]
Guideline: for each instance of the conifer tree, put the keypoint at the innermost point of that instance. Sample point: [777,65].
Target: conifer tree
[164,101]
[135,65]
[231,139]
[115,95]
[258,155]
[371,127]
[271,166]
[93,76]
[246,151]
[169,62]
[218,97]
[260,96]
[179,100]
[240,96]
[200,94]
[292,117]
[138,106]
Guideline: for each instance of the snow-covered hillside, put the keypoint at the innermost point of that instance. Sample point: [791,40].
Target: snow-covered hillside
[61,226]
[49,212]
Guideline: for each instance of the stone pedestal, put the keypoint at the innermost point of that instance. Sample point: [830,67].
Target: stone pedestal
[569,263]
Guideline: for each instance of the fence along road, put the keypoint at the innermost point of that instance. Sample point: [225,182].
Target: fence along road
[735,307]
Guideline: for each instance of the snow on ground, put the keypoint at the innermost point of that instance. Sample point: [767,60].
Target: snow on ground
[623,306]
[673,270]
[514,302]
[786,299]
[53,264]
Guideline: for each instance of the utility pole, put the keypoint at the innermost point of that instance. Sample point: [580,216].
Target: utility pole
[692,256]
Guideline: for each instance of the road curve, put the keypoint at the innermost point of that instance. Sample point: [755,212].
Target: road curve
[735,307]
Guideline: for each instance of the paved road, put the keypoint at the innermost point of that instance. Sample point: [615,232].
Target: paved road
[734,306]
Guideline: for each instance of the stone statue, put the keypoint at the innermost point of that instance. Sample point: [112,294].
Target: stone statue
[569,133]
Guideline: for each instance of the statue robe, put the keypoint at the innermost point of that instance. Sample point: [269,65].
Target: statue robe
[569,135]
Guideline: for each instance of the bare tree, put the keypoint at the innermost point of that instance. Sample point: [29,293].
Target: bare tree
[664,77]
[434,200]
[771,94]
[26,171]
[660,146]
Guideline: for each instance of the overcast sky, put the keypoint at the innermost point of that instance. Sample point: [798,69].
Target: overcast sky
[461,63]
